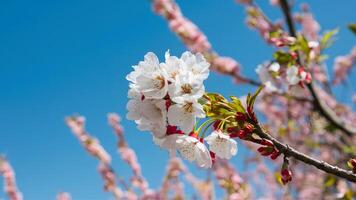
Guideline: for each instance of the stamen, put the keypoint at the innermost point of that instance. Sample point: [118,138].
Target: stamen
[186,89]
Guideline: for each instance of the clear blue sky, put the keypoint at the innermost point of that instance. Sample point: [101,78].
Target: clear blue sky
[63,57]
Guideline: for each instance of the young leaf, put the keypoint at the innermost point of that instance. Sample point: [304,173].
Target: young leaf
[327,40]
[236,104]
[303,43]
[254,96]
[282,57]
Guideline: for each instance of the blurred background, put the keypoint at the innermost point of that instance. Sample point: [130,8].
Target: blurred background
[59,58]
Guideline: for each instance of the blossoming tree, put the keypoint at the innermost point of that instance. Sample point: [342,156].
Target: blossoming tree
[304,148]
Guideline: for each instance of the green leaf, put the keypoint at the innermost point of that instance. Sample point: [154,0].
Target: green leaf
[236,104]
[303,43]
[352,27]
[214,97]
[254,96]
[348,195]
[217,106]
[282,57]
[330,181]
[349,149]
[327,39]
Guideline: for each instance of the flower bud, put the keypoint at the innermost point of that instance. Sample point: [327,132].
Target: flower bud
[275,155]
[352,164]
[240,117]
[248,128]
[286,176]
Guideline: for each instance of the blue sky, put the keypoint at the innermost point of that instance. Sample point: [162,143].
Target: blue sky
[64,57]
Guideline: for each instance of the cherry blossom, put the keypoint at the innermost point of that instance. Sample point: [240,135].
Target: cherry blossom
[221,144]
[196,64]
[193,149]
[173,65]
[266,77]
[185,86]
[149,77]
[184,113]
[292,73]
[150,115]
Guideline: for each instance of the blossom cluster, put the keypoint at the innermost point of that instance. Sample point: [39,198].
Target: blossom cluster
[94,148]
[228,178]
[310,27]
[193,37]
[128,155]
[164,99]
[277,78]
[187,30]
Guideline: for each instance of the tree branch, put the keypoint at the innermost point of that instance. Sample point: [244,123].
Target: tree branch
[290,152]
[324,109]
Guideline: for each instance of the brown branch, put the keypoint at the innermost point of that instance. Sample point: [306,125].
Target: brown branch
[290,152]
[244,79]
[321,106]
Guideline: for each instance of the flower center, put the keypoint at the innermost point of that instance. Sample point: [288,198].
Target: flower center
[174,74]
[159,82]
[187,151]
[186,88]
[188,107]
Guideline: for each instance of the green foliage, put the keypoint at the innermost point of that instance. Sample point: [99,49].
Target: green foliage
[327,39]
[348,195]
[250,100]
[349,149]
[352,27]
[282,57]
[303,44]
[330,181]
[216,106]
[236,104]
[330,128]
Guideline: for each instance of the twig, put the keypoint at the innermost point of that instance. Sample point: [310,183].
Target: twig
[291,152]
[324,109]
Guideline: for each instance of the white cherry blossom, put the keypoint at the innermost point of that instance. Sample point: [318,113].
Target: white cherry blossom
[186,86]
[266,78]
[191,149]
[196,64]
[149,115]
[221,144]
[133,93]
[274,67]
[292,75]
[184,113]
[149,77]
[168,142]
[173,66]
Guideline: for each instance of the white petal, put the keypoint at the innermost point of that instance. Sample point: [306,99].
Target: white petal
[274,67]
[134,109]
[178,117]
[203,158]
[151,59]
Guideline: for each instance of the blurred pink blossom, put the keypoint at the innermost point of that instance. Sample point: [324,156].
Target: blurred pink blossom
[63,196]
[310,27]
[343,65]
[10,186]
